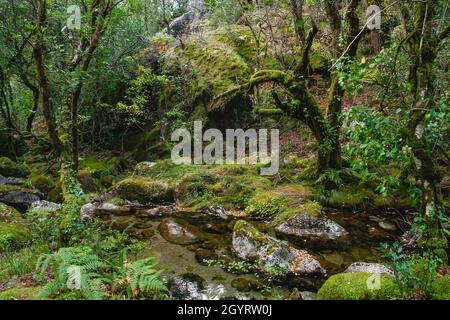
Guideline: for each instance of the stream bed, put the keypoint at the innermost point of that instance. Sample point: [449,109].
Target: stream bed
[195,249]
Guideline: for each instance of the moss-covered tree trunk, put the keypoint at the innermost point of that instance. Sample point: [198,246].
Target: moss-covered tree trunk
[423,44]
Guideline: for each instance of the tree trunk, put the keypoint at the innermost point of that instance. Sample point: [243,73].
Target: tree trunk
[38,54]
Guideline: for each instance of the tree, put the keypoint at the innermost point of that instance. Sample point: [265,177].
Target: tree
[295,98]
[423,41]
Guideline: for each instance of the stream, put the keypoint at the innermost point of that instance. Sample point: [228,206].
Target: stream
[195,250]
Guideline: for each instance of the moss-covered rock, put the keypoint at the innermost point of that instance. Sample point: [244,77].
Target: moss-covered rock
[440,288]
[19,197]
[145,191]
[43,183]
[10,168]
[56,195]
[87,181]
[354,286]
[265,205]
[320,58]
[272,256]
[13,229]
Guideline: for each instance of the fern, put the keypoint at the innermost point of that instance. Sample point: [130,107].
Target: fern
[89,272]
[139,278]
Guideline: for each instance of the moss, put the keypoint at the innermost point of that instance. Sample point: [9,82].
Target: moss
[145,190]
[309,207]
[23,293]
[242,227]
[8,213]
[265,205]
[43,183]
[440,288]
[353,286]
[10,168]
[320,58]
[350,197]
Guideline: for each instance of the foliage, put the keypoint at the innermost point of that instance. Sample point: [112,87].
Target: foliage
[414,272]
[74,268]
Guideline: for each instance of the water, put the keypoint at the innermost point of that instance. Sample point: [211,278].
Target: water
[201,237]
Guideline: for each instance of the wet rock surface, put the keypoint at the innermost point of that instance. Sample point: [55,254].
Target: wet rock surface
[313,231]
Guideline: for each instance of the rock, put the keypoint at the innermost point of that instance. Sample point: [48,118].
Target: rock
[160,211]
[271,255]
[43,183]
[10,168]
[108,208]
[187,287]
[313,231]
[44,205]
[11,181]
[87,181]
[217,212]
[246,285]
[87,211]
[387,226]
[356,286]
[176,233]
[179,25]
[145,191]
[308,295]
[295,295]
[369,268]
[18,197]
[14,232]
[142,168]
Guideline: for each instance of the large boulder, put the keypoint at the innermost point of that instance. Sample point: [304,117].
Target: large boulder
[271,255]
[176,233]
[313,231]
[359,286]
[145,191]
[18,197]
[10,168]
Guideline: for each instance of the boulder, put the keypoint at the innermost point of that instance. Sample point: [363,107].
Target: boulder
[160,211]
[87,211]
[43,205]
[11,181]
[271,255]
[369,268]
[359,286]
[187,287]
[176,233]
[10,168]
[14,232]
[19,198]
[313,231]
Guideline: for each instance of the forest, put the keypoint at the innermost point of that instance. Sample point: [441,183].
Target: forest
[224,150]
